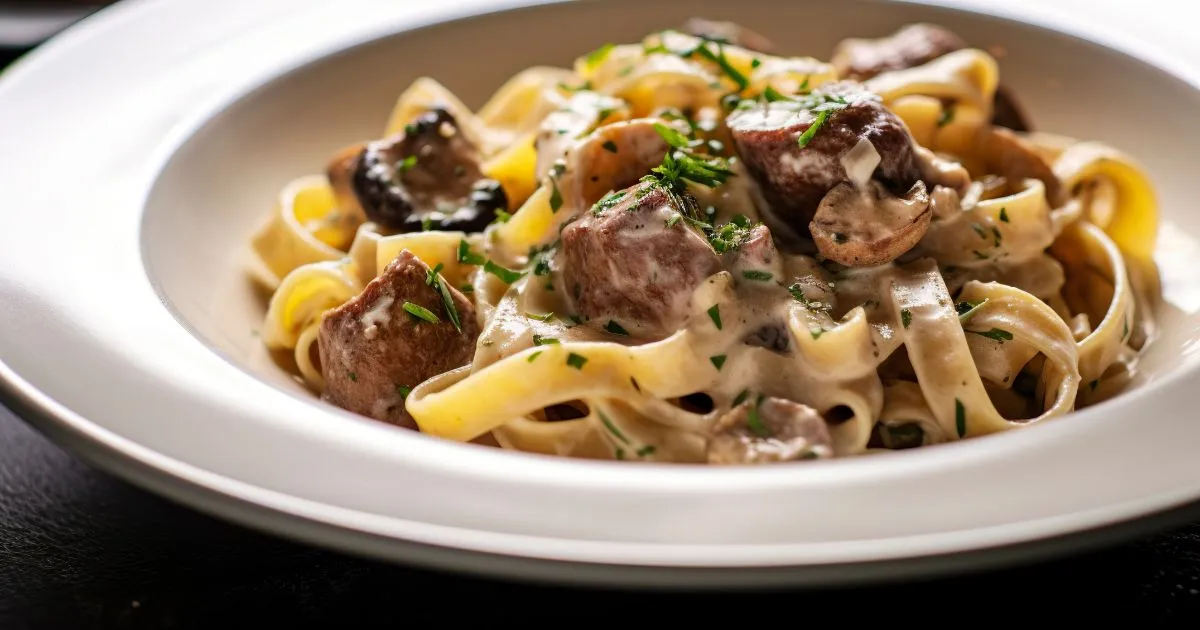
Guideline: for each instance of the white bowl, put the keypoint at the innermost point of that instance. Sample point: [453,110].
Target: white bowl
[129,319]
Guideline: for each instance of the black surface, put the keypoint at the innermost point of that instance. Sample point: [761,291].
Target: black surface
[80,549]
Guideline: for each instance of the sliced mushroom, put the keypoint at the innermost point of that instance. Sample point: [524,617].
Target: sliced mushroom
[728,32]
[428,176]
[767,431]
[865,227]
[794,178]
[1014,158]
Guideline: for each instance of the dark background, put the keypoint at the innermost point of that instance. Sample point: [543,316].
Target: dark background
[80,549]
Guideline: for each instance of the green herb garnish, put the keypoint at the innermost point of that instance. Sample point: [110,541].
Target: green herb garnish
[506,275]
[556,200]
[673,137]
[714,313]
[967,309]
[946,117]
[421,313]
[615,328]
[812,130]
[435,280]
[465,255]
[718,361]
[610,146]
[612,428]
[1004,214]
[960,418]
[905,317]
[576,360]
[534,356]
[995,334]
[598,56]
[541,318]
[755,423]
[757,275]
[539,340]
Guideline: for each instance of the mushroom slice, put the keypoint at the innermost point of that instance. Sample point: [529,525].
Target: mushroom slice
[869,226]
[427,177]
[1008,155]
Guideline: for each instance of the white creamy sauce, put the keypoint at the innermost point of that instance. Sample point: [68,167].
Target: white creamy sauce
[376,316]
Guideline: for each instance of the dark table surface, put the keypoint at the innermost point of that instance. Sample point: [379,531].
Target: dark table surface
[80,549]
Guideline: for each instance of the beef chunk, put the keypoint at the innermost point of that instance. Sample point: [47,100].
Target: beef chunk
[426,176]
[633,260]
[795,178]
[912,45]
[373,350]
[769,430]
[730,33]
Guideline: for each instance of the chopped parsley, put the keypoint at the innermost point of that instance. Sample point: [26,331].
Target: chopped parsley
[534,356]
[421,313]
[797,292]
[730,235]
[966,309]
[435,280]
[541,318]
[506,275]
[465,255]
[673,137]
[403,391]
[719,58]
[406,164]
[646,450]
[755,62]
[996,334]
[755,423]
[467,288]
[352,376]
[960,418]
[634,383]
[757,275]
[995,237]
[675,218]
[612,428]
[615,328]
[608,201]
[426,223]
[1094,384]
[741,397]
[1004,214]
[576,360]
[771,95]
[816,332]
[979,230]
[539,340]
[905,317]
[596,57]
[501,217]
[947,116]
[980,255]
[718,361]
[556,200]
[714,314]
[610,146]
[810,133]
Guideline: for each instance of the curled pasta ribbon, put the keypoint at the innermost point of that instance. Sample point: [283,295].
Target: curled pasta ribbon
[541,376]
[1119,196]
[303,296]
[432,248]
[945,103]
[942,359]
[304,227]
[1086,249]
[905,404]
[1013,228]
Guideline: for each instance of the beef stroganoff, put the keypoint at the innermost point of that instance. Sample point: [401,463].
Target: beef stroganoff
[696,249]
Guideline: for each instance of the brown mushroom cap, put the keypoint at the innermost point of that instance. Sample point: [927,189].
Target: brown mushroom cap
[429,174]
[865,228]
[1014,158]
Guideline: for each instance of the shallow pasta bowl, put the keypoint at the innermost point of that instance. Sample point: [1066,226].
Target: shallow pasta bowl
[129,322]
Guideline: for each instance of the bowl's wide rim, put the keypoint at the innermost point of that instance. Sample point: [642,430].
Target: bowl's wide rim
[121,452]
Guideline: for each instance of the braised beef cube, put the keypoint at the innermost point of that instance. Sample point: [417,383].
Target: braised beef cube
[373,350]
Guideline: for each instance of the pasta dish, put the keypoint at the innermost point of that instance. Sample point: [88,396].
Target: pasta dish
[697,249]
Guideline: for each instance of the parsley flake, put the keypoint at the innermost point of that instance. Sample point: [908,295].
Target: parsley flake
[714,314]
[757,275]
[403,391]
[596,57]
[1004,214]
[506,275]
[535,355]
[960,418]
[615,328]
[421,313]
[718,361]
[995,334]
[610,146]
[967,309]
[755,423]
[465,255]
[905,317]
[576,360]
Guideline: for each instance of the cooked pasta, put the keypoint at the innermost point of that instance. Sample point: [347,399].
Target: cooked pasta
[693,249]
